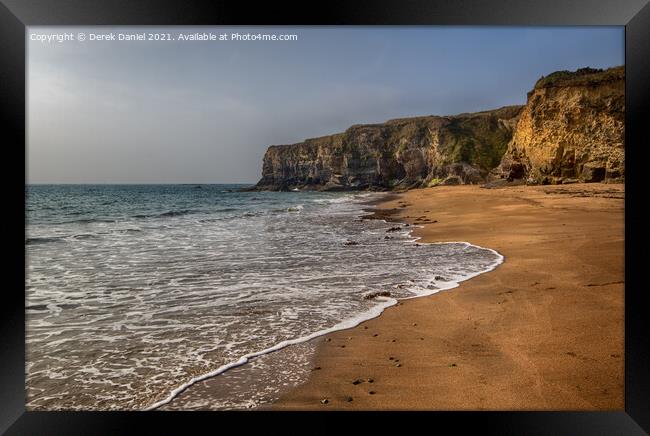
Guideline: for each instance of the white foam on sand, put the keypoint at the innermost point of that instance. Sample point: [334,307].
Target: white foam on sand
[353,322]
[373,312]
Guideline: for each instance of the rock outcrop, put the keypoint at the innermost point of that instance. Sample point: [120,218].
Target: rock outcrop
[402,153]
[571,130]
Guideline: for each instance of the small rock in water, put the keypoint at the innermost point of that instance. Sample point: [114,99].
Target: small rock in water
[351,243]
[394,229]
[371,295]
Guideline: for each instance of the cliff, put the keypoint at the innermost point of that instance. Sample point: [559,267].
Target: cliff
[401,153]
[571,129]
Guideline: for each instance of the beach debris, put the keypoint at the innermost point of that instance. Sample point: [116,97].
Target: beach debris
[328,340]
[324,401]
[365,327]
[394,229]
[452,365]
[349,399]
[415,324]
[316,368]
[372,392]
[393,340]
[375,335]
[357,381]
[370,380]
[398,365]
[421,339]
[375,294]
[342,346]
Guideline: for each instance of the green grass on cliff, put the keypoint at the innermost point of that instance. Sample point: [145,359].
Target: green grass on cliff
[478,141]
[580,77]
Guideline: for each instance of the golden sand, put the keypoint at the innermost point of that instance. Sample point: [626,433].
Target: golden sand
[543,331]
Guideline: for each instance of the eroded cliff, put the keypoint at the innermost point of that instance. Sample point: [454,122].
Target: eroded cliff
[572,129]
[401,153]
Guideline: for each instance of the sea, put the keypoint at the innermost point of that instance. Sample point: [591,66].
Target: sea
[134,293]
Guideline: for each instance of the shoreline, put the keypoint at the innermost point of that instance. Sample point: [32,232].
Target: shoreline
[463,331]
[216,376]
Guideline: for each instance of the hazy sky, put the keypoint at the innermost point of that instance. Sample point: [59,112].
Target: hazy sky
[205,111]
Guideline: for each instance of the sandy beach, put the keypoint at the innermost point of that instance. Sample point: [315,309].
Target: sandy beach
[543,331]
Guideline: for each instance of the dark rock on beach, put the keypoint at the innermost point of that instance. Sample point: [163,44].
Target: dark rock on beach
[371,295]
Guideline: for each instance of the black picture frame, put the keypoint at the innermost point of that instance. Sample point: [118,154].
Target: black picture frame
[15,15]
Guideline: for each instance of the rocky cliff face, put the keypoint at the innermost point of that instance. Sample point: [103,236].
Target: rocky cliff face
[402,153]
[571,129]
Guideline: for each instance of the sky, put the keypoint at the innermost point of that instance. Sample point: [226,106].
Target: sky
[205,111]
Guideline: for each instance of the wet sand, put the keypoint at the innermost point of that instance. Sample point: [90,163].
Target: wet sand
[543,331]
